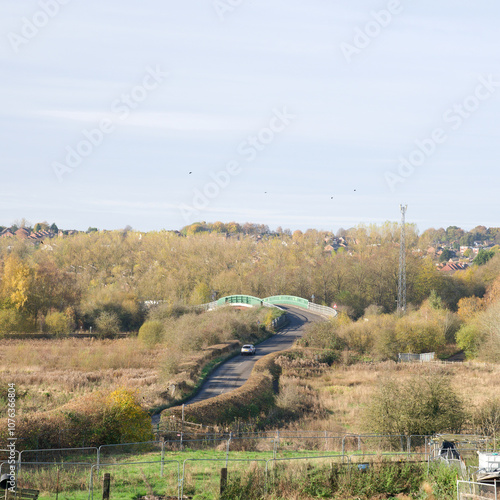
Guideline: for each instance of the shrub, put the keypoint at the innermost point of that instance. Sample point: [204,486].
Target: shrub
[271,315]
[107,324]
[486,418]
[131,423]
[469,340]
[290,398]
[11,320]
[488,322]
[418,334]
[151,333]
[125,306]
[162,312]
[57,323]
[323,335]
[421,406]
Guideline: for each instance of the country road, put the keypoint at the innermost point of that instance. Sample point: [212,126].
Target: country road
[235,372]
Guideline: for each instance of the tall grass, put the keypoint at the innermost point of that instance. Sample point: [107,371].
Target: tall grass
[333,398]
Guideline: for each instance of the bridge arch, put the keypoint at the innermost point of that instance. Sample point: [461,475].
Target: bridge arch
[274,300]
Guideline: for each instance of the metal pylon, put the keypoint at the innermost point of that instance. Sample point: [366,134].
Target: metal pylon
[402,263]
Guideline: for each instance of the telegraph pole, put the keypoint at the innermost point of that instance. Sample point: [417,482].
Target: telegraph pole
[402,263]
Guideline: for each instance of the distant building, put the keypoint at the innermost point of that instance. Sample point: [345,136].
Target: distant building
[451,267]
[7,233]
[22,233]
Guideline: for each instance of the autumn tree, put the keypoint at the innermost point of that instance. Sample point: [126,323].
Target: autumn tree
[420,406]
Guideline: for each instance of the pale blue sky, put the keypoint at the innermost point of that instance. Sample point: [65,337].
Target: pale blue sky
[223,77]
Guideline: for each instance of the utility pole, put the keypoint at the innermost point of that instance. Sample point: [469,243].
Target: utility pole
[402,263]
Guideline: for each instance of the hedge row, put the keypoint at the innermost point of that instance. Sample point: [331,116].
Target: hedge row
[91,420]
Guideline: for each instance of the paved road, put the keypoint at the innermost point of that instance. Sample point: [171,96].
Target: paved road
[235,372]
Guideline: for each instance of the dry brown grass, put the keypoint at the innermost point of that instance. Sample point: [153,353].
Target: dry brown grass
[344,391]
[49,373]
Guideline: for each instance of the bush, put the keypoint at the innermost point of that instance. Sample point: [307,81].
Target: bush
[323,335]
[11,320]
[418,334]
[57,323]
[487,418]
[125,306]
[421,406]
[131,423]
[272,314]
[108,324]
[469,339]
[151,333]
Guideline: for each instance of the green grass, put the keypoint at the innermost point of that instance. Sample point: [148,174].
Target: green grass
[131,480]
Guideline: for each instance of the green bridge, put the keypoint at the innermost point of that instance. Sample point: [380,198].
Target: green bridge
[288,300]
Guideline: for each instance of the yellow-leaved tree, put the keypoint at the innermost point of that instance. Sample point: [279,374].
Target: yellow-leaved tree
[130,421]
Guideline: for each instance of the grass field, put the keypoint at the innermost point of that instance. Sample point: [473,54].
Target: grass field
[136,475]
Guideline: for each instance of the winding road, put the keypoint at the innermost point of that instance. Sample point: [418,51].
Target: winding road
[236,371]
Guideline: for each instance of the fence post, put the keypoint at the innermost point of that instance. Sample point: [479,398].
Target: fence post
[105,486]
[162,455]
[223,479]
[20,458]
[227,448]
[57,484]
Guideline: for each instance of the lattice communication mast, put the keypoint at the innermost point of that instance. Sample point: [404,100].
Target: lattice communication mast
[402,263]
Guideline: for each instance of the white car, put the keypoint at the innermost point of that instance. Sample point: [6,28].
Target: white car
[248,349]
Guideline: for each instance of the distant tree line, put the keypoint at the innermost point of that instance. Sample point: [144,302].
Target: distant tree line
[101,279]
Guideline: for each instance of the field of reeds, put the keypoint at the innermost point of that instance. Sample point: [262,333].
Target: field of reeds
[54,375]
[334,398]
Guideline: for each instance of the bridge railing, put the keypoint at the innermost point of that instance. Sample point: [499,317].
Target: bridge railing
[324,310]
[250,301]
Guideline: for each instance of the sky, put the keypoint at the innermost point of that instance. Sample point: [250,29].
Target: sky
[295,113]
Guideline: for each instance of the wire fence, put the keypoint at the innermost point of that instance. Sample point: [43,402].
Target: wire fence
[190,462]
[272,441]
[469,490]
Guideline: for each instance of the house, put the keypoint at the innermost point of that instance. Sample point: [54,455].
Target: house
[22,233]
[6,233]
[451,267]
